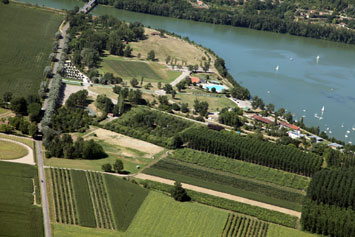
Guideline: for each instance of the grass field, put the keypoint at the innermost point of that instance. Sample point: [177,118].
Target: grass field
[167,46]
[126,198]
[161,215]
[19,216]
[128,69]
[26,42]
[10,150]
[26,141]
[61,230]
[281,231]
[214,101]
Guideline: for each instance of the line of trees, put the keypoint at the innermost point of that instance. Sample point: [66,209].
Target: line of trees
[184,10]
[252,150]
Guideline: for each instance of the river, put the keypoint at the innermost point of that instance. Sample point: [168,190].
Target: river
[302,84]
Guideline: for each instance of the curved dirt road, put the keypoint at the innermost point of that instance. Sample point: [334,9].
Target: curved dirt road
[27,159]
[220,194]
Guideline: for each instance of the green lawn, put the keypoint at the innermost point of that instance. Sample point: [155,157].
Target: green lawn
[19,216]
[26,39]
[26,141]
[128,69]
[214,101]
[281,231]
[11,150]
[161,215]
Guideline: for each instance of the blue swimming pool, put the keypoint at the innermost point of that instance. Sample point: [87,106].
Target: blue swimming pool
[219,88]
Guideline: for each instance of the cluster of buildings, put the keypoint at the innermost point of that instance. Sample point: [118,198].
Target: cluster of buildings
[295,131]
[72,72]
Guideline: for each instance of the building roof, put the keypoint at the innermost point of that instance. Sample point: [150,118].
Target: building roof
[195,80]
[316,137]
[294,127]
[336,145]
[261,119]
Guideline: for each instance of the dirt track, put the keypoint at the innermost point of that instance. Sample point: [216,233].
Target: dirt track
[222,195]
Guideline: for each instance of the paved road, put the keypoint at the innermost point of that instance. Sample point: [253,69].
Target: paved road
[220,194]
[180,78]
[44,196]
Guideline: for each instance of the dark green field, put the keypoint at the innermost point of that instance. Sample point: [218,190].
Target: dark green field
[26,39]
[18,215]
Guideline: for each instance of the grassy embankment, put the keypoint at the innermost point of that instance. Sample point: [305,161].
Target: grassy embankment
[19,216]
[26,42]
[131,151]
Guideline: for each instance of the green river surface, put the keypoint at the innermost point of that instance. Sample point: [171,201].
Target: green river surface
[302,83]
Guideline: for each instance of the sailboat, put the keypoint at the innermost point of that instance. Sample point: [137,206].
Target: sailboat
[342,125]
[353,128]
[346,136]
[277,68]
[317,58]
[348,132]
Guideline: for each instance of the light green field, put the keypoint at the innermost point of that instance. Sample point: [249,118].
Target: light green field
[11,150]
[281,231]
[128,69]
[161,215]
[214,102]
[61,230]
[28,142]
[26,39]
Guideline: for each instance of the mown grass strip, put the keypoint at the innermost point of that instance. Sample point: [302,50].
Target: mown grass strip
[82,199]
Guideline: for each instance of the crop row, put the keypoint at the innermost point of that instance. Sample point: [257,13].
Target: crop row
[100,201]
[63,196]
[226,182]
[249,170]
[240,226]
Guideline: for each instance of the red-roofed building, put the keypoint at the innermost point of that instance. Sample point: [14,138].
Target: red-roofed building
[195,80]
[200,3]
[261,119]
[287,125]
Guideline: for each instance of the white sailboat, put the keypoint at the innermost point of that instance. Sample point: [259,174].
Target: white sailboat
[348,132]
[353,128]
[317,58]
[342,125]
[346,136]
[277,68]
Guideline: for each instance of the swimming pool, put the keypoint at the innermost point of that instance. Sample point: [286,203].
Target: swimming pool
[219,88]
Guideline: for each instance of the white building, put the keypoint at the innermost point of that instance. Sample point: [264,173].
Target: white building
[295,134]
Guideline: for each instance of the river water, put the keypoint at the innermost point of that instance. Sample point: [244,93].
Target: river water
[302,84]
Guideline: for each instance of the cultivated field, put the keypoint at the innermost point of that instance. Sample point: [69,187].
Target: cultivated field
[11,150]
[240,226]
[26,42]
[167,46]
[20,216]
[128,69]
[281,231]
[161,215]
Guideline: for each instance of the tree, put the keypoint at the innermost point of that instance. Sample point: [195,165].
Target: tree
[159,85]
[213,90]
[179,193]
[55,46]
[201,107]
[168,88]
[270,108]
[184,108]
[206,66]
[118,166]
[173,94]
[58,35]
[142,78]
[106,167]
[151,55]
[19,105]
[33,130]
[167,59]
[195,68]
[120,102]
[52,57]
[7,96]
[34,111]
[127,51]
[5,1]
[47,72]
[134,82]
